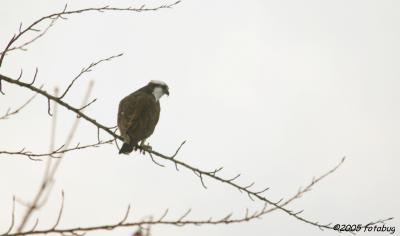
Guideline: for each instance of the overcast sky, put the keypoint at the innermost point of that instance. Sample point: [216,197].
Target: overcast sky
[279,91]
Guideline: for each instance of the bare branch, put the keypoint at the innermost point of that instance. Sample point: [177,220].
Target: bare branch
[48,107]
[24,45]
[163,215]
[20,74]
[90,103]
[35,224]
[126,215]
[10,113]
[151,222]
[60,211]
[12,218]
[200,173]
[1,88]
[86,70]
[177,150]
[12,40]
[62,14]
[234,178]
[55,153]
[266,189]
[184,215]
[34,77]
[45,187]
[155,162]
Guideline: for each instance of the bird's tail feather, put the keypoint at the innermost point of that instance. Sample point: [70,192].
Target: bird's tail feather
[126,148]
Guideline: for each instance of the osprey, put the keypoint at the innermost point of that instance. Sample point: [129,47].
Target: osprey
[138,115]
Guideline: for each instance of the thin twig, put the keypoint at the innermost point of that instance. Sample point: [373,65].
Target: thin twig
[55,153]
[60,211]
[64,13]
[50,169]
[86,70]
[24,45]
[10,113]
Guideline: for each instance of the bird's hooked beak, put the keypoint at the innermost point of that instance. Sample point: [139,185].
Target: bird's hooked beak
[166,91]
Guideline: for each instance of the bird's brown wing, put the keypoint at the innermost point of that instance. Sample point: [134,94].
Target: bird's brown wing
[130,110]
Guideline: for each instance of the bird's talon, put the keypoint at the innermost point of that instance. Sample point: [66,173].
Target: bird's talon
[148,147]
[144,148]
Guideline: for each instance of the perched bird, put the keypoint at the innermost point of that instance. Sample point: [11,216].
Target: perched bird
[138,114]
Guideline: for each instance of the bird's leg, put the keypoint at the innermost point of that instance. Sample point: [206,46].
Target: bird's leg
[143,146]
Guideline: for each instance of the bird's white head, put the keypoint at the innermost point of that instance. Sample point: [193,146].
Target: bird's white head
[159,88]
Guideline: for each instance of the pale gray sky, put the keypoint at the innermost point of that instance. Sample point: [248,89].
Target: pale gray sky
[279,91]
